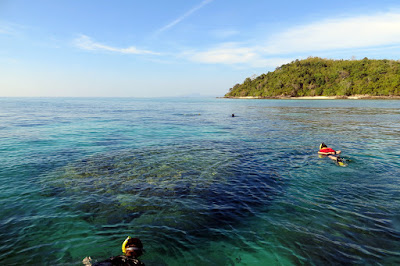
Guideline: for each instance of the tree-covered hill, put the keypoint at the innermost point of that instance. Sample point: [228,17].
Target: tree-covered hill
[324,77]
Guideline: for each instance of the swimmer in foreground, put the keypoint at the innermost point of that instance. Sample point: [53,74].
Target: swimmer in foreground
[131,247]
[331,153]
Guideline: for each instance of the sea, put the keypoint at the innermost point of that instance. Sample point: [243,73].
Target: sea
[196,185]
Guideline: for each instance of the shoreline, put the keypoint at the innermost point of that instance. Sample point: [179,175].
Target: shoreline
[352,97]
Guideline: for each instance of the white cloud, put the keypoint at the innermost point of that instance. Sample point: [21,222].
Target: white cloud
[86,43]
[357,33]
[231,53]
[187,14]
[342,33]
[227,54]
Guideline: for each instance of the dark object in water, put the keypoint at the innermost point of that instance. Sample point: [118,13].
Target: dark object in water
[117,260]
[131,247]
[233,115]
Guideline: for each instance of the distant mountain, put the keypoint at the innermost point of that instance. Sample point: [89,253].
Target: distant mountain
[199,95]
[324,77]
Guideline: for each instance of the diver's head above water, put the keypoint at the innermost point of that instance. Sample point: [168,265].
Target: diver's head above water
[323,145]
[132,247]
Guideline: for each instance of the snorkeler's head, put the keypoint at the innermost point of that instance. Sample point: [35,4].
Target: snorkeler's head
[323,145]
[132,247]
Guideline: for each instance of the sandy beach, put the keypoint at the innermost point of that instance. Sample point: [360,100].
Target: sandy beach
[353,97]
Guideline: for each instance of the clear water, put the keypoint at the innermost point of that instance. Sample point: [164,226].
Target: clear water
[197,186]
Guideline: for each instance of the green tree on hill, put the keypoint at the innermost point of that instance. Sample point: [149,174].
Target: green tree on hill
[324,77]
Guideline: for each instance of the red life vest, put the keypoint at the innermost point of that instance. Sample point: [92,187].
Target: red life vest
[327,150]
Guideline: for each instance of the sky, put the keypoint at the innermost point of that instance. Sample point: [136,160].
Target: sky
[154,48]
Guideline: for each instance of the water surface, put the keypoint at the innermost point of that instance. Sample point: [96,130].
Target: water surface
[196,185]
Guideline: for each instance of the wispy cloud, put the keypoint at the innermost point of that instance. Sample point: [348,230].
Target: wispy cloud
[343,34]
[187,14]
[227,53]
[233,54]
[10,28]
[86,43]
[4,30]
[339,36]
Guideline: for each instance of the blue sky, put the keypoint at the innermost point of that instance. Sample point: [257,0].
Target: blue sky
[151,48]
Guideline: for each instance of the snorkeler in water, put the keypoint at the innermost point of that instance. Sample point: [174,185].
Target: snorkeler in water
[324,150]
[132,249]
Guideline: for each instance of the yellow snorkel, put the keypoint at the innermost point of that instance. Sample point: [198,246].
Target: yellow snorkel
[322,145]
[124,244]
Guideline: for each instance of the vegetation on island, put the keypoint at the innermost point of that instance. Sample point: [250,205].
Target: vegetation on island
[324,77]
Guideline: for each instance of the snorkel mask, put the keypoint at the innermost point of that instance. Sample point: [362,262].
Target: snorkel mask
[132,249]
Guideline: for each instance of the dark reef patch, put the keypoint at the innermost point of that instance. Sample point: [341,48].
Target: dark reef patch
[185,187]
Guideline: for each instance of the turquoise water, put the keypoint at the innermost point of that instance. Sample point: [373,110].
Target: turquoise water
[197,186]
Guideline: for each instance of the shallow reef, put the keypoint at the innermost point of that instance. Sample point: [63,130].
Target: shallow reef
[185,187]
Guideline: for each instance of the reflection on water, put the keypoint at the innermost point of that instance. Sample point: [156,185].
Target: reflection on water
[198,186]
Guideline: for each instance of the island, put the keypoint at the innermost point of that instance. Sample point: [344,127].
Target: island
[319,78]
